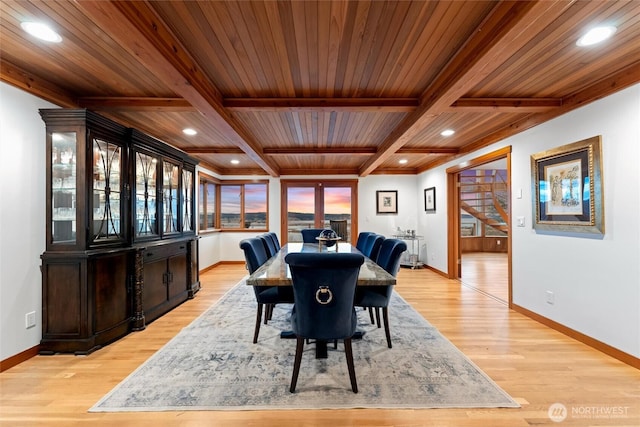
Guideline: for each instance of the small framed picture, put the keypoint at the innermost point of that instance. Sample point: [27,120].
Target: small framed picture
[387,202]
[430,199]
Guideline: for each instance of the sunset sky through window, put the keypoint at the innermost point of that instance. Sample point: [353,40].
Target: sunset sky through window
[337,200]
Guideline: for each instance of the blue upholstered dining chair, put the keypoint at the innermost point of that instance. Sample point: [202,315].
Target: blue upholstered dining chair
[378,297]
[266,296]
[324,286]
[390,254]
[372,246]
[362,240]
[269,245]
[274,238]
[309,234]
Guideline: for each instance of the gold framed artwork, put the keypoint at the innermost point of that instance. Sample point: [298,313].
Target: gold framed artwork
[567,188]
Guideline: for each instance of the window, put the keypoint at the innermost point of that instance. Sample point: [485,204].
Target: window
[207,203]
[230,206]
[244,205]
[233,205]
[255,206]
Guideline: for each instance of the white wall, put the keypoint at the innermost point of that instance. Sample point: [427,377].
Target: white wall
[22,222]
[596,282]
[387,224]
[433,225]
[209,249]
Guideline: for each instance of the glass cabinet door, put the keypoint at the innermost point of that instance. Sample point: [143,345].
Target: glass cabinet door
[187,202]
[63,186]
[145,203]
[170,197]
[107,191]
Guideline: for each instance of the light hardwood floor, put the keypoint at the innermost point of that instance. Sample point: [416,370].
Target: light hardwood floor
[487,272]
[534,364]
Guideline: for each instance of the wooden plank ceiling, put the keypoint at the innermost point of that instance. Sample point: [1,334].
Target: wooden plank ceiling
[322,87]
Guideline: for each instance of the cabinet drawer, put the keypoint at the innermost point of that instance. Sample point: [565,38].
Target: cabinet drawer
[154,253]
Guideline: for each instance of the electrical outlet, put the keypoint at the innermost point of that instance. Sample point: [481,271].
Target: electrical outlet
[550,298]
[30,320]
[520,221]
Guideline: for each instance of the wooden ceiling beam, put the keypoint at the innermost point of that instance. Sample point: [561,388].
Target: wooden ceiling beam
[428,150]
[213,150]
[386,105]
[505,105]
[226,172]
[299,151]
[35,85]
[352,151]
[126,104]
[321,172]
[137,28]
[505,30]
[394,171]
[285,151]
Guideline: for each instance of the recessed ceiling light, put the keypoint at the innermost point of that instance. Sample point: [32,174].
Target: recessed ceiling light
[189,131]
[235,162]
[403,161]
[596,35]
[447,132]
[41,31]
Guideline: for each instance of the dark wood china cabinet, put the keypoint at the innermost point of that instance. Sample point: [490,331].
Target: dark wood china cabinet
[121,248]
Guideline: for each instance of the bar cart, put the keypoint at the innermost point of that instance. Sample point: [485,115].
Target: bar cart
[411,257]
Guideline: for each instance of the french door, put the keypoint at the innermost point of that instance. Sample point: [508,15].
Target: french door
[318,204]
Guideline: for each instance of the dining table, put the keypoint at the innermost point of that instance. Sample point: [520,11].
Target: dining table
[275,272]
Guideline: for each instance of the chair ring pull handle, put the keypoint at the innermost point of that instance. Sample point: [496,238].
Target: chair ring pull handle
[324,295]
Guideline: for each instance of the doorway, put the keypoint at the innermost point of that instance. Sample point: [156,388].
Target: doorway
[318,204]
[479,203]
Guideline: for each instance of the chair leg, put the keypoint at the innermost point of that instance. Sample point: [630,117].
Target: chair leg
[385,316]
[352,372]
[371,315]
[268,308]
[296,363]
[258,320]
[378,317]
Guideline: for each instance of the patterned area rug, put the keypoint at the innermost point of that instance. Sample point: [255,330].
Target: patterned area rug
[213,365]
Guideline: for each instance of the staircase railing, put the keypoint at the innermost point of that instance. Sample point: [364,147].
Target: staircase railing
[485,197]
